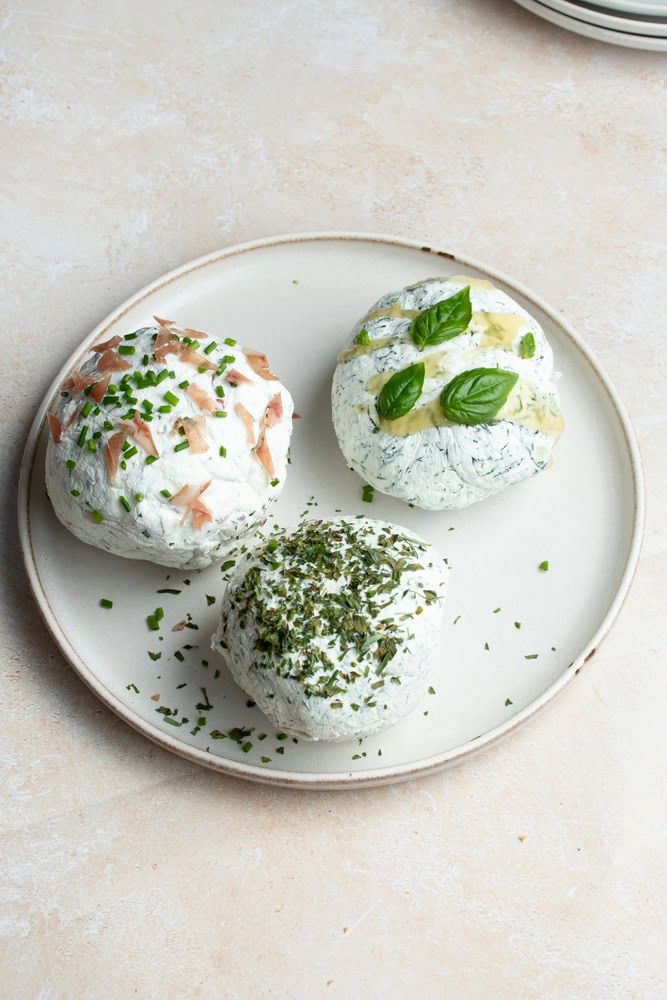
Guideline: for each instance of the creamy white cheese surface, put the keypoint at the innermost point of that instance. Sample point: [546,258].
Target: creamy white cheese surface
[331,627]
[137,514]
[422,458]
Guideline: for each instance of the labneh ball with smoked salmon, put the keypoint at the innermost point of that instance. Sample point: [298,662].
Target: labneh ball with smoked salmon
[168,444]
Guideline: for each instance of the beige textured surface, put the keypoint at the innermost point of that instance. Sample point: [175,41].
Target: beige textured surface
[139,134]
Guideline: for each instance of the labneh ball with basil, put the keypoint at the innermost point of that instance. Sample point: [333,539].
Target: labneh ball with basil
[167,444]
[331,628]
[445,394]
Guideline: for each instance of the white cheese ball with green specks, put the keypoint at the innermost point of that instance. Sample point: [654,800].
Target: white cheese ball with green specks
[331,628]
[221,437]
[423,458]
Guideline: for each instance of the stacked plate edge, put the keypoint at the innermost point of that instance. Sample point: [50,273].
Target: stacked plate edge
[640,24]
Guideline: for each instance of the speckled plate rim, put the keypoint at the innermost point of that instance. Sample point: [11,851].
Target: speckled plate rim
[326,780]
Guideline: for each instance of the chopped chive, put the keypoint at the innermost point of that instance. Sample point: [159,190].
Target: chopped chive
[280,736]
[104,603]
[165,408]
[367,494]
[130,453]
[92,447]
[227,565]
[82,435]
[109,400]
[544,565]
[123,502]
[159,614]
[220,413]
[169,396]
[126,349]
[184,384]
[70,463]
[162,376]
[130,400]
[496,611]
[219,391]
[274,482]
[148,417]
[165,493]
[123,465]
[179,656]
[247,747]
[147,405]
[182,445]
[223,451]
[193,344]
[86,408]
[517,624]
[126,446]
[230,341]
[138,497]
[96,411]
[130,336]
[75,493]
[211,347]
[129,415]
[96,516]
[111,388]
[532,656]
[97,435]
[201,369]
[108,426]
[145,360]
[88,388]
[229,358]
[150,459]
[153,623]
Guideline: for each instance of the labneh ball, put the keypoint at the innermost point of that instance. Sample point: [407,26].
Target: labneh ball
[331,628]
[445,394]
[167,445]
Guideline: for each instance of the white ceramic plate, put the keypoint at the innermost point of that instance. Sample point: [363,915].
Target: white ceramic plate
[636,25]
[625,39]
[655,7]
[296,298]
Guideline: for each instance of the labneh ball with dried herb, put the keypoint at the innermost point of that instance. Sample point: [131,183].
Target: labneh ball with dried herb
[331,627]
[445,394]
[167,444]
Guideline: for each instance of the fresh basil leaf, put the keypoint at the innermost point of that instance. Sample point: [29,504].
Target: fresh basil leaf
[527,346]
[362,337]
[401,392]
[442,321]
[476,396]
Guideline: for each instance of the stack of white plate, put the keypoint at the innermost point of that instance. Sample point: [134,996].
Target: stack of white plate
[637,24]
